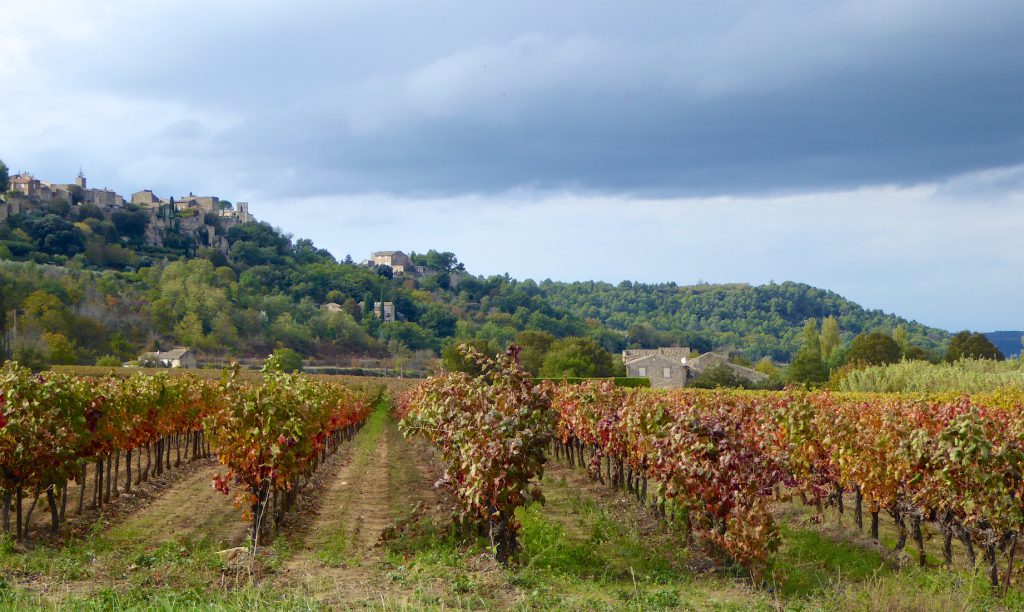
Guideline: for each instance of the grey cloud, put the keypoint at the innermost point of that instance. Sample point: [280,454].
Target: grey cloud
[657,99]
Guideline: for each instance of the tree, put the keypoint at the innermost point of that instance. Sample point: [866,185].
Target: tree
[189,331]
[47,311]
[287,331]
[576,357]
[131,224]
[807,367]
[812,339]
[455,357]
[55,235]
[645,336]
[437,261]
[439,320]
[916,353]
[966,345]
[5,178]
[400,354]
[62,350]
[829,338]
[120,346]
[410,334]
[534,346]
[899,336]
[876,348]
[59,207]
[224,331]
[287,360]
[767,366]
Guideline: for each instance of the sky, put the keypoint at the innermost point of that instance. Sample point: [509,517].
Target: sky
[870,147]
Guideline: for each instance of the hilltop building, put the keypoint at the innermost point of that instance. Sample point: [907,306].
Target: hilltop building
[204,219]
[72,193]
[399,262]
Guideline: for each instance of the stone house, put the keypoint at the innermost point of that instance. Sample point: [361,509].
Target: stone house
[146,198]
[180,357]
[31,187]
[206,204]
[239,215]
[672,367]
[665,366]
[27,185]
[701,363]
[385,311]
[104,198]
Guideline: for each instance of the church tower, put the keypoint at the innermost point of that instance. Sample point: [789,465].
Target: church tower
[80,179]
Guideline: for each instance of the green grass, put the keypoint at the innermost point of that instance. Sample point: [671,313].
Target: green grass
[334,551]
[809,563]
[246,598]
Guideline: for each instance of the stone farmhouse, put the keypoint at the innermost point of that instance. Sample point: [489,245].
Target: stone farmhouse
[665,367]
[180,357]
[672,367]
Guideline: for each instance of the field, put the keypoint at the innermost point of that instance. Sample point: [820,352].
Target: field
[369,530]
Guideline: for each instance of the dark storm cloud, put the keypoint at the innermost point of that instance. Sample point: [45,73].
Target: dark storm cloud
[660,99]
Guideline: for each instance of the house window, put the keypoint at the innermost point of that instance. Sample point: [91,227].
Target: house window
[667,373]
[642,372]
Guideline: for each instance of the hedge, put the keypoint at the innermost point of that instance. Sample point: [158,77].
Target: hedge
[620,381]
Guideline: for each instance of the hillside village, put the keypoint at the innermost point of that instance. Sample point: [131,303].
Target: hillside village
[90,275]
[165,222]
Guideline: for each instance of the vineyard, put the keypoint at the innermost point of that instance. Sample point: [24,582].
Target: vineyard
[716,466]
[298,492]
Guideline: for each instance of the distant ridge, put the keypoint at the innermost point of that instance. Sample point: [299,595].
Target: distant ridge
[1007,341]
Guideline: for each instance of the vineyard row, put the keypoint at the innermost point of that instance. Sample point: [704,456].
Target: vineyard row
[268,433]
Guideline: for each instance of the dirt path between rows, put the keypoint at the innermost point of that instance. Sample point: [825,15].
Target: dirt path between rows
[120,504]
[189,511]
[342,561]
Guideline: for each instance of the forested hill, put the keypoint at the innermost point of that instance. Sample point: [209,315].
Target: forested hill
[756,320]
[78,284]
